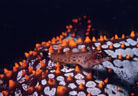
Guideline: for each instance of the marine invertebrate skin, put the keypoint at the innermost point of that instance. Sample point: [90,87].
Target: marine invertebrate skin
[46,82]
[42,76]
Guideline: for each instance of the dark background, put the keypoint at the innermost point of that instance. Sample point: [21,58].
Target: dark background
[24,23]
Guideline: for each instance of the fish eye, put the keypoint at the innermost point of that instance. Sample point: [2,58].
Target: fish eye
[98,56]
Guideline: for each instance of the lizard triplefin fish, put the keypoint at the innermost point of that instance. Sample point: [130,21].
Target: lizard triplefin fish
[38,75]
[84,59]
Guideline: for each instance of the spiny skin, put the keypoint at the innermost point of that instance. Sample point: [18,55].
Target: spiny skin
[85,59]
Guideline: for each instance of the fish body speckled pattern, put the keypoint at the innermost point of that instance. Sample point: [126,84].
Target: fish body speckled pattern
[42,73]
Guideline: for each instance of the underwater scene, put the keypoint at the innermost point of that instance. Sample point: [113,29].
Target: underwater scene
[76,63]
[83,59]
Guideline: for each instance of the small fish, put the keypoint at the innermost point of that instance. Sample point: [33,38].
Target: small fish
[84,59]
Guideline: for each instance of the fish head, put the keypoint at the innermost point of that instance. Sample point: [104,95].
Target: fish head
[101,56]
[95,58]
